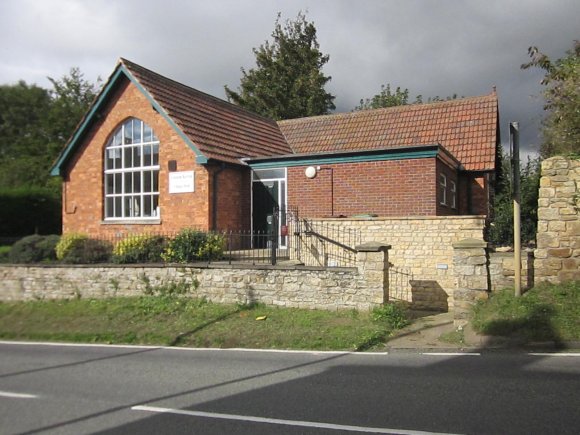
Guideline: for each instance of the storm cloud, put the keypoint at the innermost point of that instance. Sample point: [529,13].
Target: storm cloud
[433,48]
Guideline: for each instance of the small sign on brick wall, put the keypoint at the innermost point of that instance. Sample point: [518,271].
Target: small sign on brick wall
[181,182]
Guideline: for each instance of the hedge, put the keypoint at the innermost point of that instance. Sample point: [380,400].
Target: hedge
[31,210]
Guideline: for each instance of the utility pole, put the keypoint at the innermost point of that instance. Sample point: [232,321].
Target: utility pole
[515,149]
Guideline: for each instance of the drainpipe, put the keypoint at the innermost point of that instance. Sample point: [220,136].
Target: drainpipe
[331,188]
[215,196]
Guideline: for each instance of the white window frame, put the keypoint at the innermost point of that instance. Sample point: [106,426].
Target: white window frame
[282,194]
[131,187]
[453,192]
[443,189]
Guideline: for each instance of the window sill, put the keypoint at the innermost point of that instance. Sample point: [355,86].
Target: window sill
[153,221]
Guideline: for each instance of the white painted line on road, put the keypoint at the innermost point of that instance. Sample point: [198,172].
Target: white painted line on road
[17,395]
[298,423]
[57,344]
[554,354]
[452,353]
[241,349]
[191,349]
[309,352]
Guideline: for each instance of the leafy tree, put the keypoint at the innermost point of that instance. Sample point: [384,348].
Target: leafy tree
[23,133]
[561,127]
[35,123]
[400,97]
[501,232]
[288,81]
[385,98]
[71,98]
[435,99]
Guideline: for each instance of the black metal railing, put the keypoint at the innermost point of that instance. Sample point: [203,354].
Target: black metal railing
[400,283]
[288,239]
[254,247]
[326,244]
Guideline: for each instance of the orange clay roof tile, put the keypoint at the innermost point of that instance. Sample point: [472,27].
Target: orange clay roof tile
[220,130]
[465,127]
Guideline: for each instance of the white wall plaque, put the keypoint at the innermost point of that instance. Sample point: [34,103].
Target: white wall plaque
[181,182]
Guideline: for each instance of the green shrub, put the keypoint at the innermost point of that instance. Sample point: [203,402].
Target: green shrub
[142,248]
[34,249]
[4,253]
[194,245]
[392,314]
[67,242]
[87,251]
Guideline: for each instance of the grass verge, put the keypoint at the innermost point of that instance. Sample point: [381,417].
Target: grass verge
[545,313]
[180,321]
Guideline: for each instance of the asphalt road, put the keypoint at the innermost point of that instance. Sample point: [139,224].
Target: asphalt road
[97,389]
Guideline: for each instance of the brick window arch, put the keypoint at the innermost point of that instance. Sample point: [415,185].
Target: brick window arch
[131,172]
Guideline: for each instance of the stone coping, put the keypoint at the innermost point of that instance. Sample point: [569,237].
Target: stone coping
[470,244]
[397,218]
[373,247]
[184,265]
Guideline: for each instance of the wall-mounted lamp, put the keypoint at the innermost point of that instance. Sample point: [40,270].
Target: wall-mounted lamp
[310,172]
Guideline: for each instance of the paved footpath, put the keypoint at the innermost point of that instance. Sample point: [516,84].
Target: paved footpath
[435,331]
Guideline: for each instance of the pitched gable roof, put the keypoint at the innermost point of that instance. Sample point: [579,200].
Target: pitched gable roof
[466,127]
[213,128]
[216,129]
[220,130]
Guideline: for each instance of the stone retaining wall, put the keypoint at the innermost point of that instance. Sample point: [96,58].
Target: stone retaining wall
[421,257]
[302,287]
[502,272]
[472,277]
[558,236]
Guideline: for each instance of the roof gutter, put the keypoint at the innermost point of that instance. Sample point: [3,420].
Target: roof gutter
[355,156]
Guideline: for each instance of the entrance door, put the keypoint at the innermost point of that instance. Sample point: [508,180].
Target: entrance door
[266,197]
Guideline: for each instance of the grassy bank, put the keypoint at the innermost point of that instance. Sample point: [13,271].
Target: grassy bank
[179,321]
[545,313]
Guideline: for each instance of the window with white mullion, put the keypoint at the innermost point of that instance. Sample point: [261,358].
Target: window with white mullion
[442,189]
[131,173]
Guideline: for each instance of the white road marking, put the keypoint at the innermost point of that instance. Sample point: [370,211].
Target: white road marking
[17,395]
[298,423]
[57,344]
[192,349]
[452,353]
[554,354]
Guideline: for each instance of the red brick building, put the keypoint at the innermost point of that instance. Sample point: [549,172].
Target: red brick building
[154,155]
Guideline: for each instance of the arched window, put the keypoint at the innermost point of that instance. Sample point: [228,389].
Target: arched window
[132,172]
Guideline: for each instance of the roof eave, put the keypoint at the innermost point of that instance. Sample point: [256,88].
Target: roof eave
[92,114]
[396,153]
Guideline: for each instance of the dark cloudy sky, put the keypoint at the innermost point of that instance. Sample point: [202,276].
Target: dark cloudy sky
[430,47]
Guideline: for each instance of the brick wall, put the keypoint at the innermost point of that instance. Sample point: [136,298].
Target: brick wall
[233,198]
[385,188]
[83,183]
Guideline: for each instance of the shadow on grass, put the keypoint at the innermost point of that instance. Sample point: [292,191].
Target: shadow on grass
[534,326]
[180,337]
